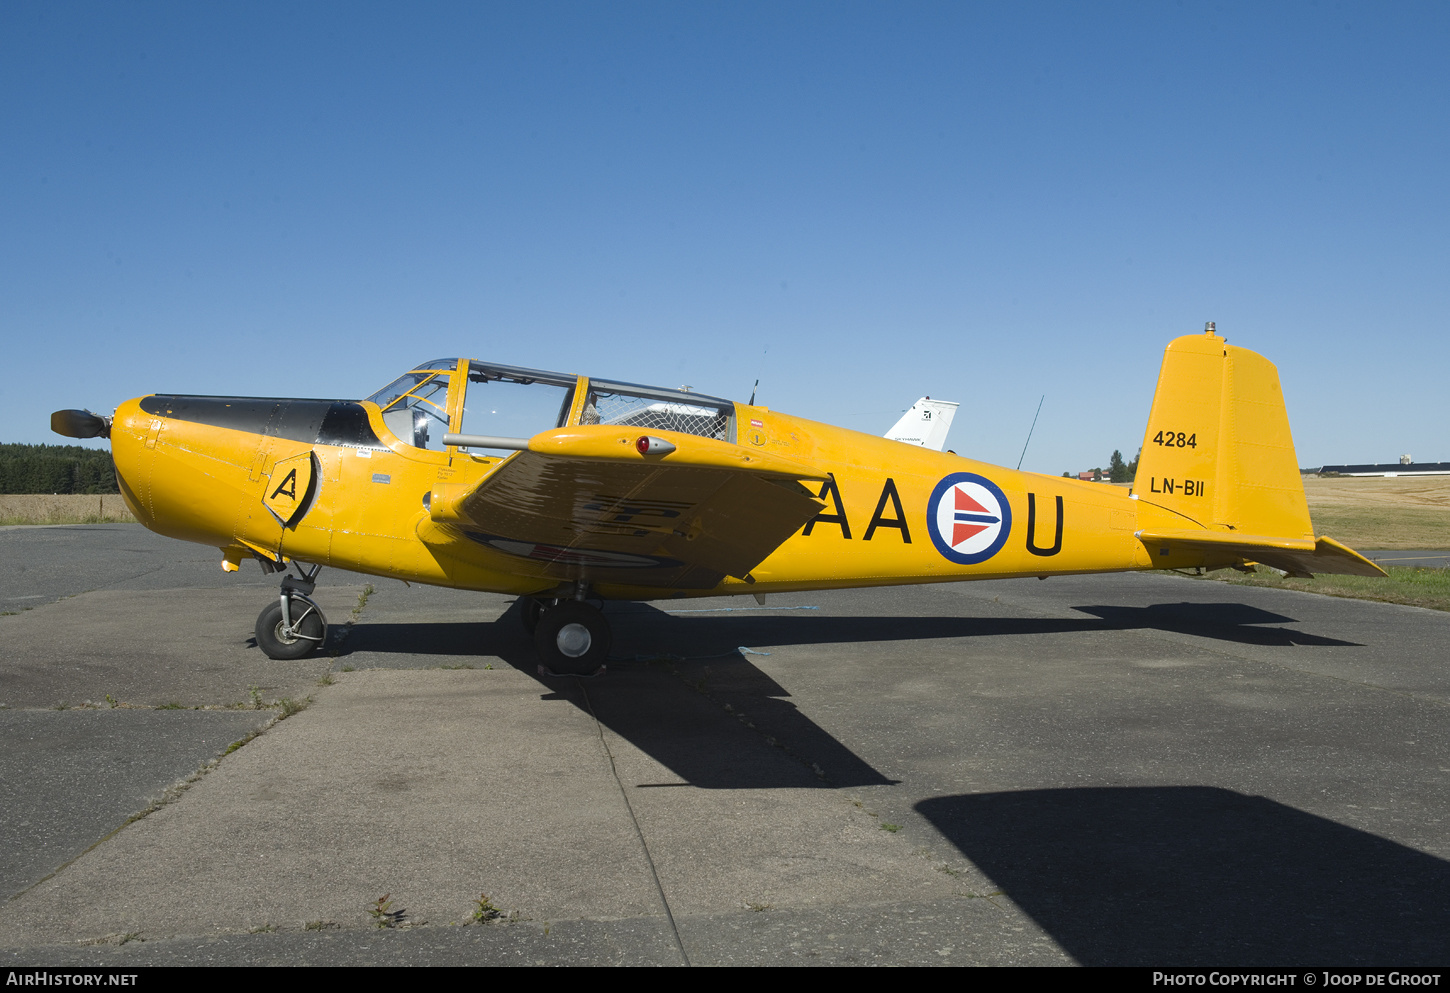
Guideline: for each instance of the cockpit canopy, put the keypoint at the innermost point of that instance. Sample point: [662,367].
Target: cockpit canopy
[500,401]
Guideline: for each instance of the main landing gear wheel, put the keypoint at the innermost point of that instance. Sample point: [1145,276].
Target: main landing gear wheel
[308,631]
[531,608]
[572,638]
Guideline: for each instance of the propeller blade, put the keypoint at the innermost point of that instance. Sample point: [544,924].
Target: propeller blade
[80,424]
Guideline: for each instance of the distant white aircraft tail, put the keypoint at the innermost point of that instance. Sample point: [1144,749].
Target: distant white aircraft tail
[925,424]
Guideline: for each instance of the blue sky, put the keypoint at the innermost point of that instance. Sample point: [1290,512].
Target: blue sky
[856,203]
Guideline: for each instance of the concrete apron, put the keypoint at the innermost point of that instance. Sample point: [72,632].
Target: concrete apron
[436,787]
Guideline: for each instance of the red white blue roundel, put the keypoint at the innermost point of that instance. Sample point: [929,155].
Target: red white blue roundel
[968,518]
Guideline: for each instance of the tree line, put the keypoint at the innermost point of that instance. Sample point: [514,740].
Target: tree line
[1117,471]
[56,469]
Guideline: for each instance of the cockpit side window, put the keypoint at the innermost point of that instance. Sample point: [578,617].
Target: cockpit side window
[663,410]
[415,408]
[506,403]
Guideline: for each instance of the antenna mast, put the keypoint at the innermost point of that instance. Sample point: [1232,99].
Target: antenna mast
[1029,432]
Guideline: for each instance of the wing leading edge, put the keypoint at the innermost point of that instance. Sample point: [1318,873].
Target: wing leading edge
[584,503]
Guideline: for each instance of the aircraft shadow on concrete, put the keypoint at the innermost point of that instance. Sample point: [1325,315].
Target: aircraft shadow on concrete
[704,633]
[1194,875]
[644,629]
[682,671]
[715,723]
[1224,621]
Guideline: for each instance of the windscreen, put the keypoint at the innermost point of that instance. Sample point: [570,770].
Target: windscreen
[415,408]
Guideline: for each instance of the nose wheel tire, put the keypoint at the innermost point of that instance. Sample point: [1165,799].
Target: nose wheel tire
[309,630]
[572,638]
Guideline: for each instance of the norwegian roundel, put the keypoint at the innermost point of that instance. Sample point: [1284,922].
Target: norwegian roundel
[968,518]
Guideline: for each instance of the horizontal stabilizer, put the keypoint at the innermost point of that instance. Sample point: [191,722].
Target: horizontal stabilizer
[1297,556]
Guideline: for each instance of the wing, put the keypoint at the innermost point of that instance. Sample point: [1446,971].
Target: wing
[1298,557]
[584,503]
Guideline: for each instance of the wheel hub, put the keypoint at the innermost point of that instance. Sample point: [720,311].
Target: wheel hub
[573,640]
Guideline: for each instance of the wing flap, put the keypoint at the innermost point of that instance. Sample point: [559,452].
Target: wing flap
[1296,556]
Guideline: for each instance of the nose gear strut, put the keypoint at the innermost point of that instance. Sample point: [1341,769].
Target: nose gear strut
[293,626]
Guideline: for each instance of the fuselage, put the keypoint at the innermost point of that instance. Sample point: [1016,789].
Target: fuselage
[217,471]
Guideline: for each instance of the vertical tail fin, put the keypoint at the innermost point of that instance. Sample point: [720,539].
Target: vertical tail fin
[1218,449]
[925,424]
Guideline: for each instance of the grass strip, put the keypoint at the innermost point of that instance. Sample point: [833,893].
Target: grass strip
[1412,587]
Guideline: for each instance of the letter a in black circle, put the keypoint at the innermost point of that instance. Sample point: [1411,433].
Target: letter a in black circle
[288,487]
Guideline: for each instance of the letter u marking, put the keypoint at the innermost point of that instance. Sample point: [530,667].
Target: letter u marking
[1032,528]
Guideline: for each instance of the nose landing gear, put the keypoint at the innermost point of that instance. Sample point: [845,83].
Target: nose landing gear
[293,626]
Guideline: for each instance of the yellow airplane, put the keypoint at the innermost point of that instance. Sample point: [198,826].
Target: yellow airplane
[566,489]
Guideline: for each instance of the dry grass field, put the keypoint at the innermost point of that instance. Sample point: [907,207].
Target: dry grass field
[65,508]
[1375,512]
